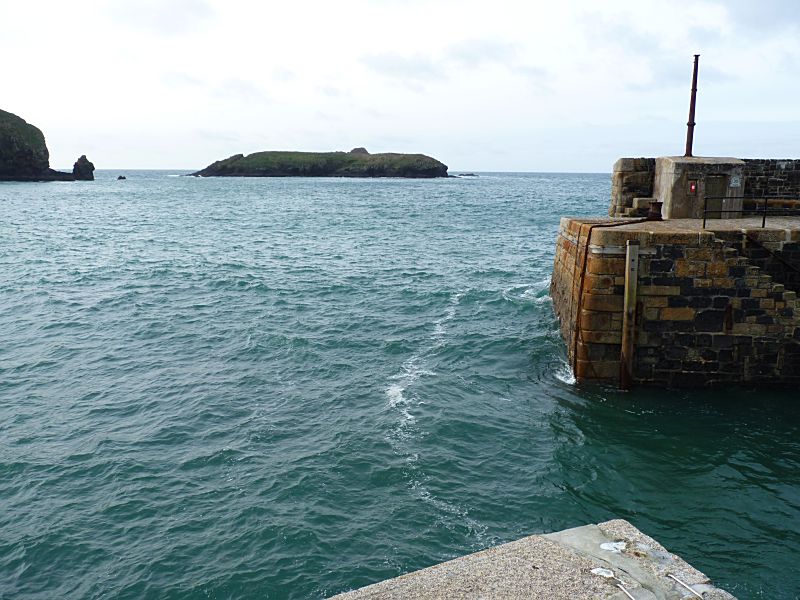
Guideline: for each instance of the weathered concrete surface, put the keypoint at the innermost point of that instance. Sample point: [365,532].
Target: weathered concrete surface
[671,186]
[555,566]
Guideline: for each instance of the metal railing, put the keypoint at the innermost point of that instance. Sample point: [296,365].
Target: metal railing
[778,206]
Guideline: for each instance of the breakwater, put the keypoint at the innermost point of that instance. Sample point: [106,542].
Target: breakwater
[706,312]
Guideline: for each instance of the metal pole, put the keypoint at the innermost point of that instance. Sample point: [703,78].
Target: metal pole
[629,315]
[705,211]
[690,125]
[764,216]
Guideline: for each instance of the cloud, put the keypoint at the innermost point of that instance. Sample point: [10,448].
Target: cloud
[283,74]
[538,76]
[160,17]
[240,90]
[476,52]
[411,70]
[331,91]
[174,79]
[753,18]
[231,88]
[218,136]
[414,71]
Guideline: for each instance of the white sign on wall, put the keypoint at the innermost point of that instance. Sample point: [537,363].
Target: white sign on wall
[736,181]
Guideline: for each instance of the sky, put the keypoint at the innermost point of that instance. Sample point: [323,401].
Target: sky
[505,85]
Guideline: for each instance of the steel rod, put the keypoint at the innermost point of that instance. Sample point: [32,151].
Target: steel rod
[692,103]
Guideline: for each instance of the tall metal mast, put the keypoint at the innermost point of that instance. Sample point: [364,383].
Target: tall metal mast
[692,103]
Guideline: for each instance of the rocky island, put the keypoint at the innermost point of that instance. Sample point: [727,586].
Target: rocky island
[356,163]
[24,155]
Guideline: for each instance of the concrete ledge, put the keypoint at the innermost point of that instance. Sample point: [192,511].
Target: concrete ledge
[556,566]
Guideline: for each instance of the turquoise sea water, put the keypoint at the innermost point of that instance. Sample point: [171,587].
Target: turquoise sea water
[287,388]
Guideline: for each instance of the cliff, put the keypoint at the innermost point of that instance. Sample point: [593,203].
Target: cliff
[24,155]
[356,163]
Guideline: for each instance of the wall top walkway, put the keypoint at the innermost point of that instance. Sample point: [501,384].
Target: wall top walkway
[574,564]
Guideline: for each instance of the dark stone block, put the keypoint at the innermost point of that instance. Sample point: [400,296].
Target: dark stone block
[709,320]
[708,355]
[750,303]
[737,271]
[730,367]
[661,266]
[703,340]
[700,301]
[656,326]
[742,292]
[756,253]
[665,365]
[787,312]
[725,355]
[722,341]
[720,301]
[769,360]
[765,320]
[672,252]
[681,281]
[676,352]
[677,301]
[700,366]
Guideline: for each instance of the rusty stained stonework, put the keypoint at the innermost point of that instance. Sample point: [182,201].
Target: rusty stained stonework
[707,314]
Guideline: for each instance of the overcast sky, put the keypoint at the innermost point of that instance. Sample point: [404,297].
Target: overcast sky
[501,85]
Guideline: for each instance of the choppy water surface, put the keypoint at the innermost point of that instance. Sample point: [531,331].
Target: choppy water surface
[287,388]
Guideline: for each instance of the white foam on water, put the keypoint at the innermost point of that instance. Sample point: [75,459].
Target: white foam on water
[536,292]
[395,394]
[564,374]
[405,429]
[439,329]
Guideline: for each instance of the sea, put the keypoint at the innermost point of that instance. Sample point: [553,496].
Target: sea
[290,388]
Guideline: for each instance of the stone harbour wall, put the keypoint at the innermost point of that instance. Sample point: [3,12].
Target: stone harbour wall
[772,251]
[631,178]
[771,177]
[705,314]
[763,177]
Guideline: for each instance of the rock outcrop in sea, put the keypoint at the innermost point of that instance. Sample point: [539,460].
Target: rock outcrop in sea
[24,155]
[356,163]
[83,170]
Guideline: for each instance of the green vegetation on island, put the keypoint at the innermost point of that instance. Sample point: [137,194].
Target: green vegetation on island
[24,155]
[356,163]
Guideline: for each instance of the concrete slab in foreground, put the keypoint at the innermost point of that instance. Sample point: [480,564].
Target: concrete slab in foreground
[612,560]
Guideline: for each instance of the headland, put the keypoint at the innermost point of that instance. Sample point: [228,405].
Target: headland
[24,155]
